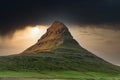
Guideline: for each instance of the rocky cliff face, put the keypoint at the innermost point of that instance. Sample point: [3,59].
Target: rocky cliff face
[56,36]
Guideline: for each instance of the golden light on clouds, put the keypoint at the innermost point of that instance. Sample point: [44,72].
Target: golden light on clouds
[35,30]
[21,39]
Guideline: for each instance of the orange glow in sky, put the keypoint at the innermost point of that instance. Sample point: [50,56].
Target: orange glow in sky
[22,39]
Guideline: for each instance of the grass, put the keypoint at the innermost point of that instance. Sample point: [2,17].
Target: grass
[20,74]
[75,74]
[72,61]
[62,75]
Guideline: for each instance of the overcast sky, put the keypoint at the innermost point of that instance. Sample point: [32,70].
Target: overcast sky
[16,14]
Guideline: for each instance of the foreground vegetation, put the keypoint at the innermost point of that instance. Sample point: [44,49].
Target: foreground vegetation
[62,75]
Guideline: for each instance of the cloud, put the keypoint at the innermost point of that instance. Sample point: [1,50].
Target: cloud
[21,40]
[18,14]
[104,43]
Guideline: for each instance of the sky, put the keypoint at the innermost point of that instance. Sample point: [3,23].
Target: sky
[95,24]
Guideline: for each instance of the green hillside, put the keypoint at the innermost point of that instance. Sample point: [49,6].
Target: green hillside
[60,60]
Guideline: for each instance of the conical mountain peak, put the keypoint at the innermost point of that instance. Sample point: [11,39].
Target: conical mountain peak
[57,35]
[57,26]
[57,30]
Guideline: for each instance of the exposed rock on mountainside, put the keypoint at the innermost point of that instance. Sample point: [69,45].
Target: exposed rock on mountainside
[56,36]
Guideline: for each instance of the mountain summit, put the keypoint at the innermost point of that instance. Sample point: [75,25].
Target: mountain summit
[56,36]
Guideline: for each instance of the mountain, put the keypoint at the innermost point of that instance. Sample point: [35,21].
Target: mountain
[57,35]
[56,50]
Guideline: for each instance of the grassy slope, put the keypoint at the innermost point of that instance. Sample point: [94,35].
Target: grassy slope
[62,74]
[60,60]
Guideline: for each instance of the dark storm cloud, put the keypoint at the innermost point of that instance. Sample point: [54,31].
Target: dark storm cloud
[15,14]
